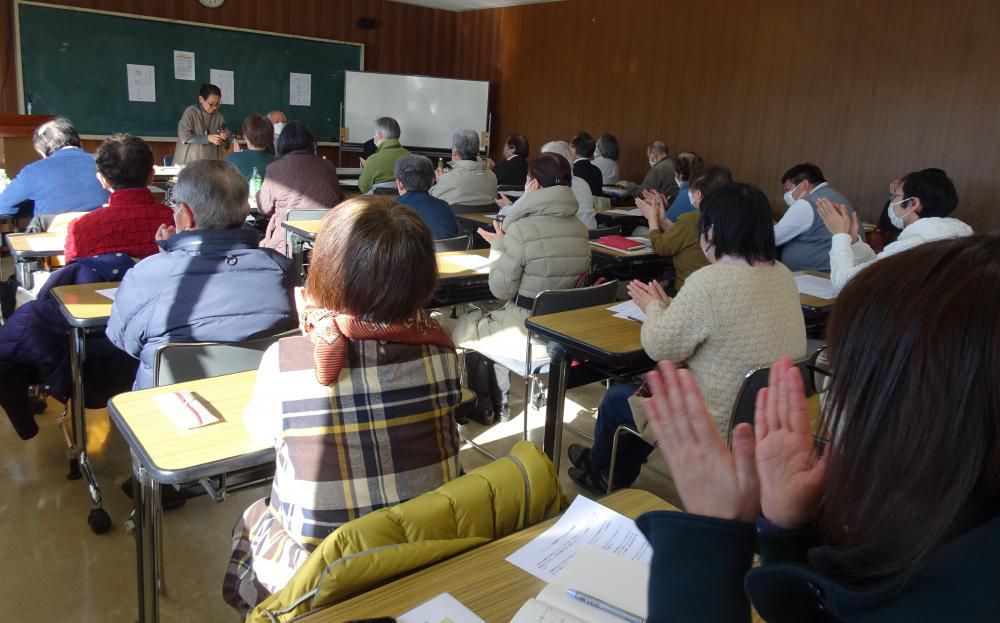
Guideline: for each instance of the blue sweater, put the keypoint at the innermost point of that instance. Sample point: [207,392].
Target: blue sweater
[681,204]
[66,181]
[434,212]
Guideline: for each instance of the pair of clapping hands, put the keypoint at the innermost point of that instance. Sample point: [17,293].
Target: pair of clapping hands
[772,469]
[653,205]
[839,221]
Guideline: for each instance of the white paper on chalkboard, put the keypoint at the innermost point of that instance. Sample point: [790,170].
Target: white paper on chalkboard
[223,78]
[299,89]
[183,65]
[141,83]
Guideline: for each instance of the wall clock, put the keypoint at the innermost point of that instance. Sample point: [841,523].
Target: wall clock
[212,4]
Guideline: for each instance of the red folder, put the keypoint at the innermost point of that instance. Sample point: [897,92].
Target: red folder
[620,242]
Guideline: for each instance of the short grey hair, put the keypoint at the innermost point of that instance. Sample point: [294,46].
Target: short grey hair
[466,143]
[388,126]
[216,192]
[415,173]
[558,147]
[657,147]
[54,135]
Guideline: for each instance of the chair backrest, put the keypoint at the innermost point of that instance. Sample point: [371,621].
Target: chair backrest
[601,204]
[614,230]
[553,301]
[313,214]
[755,380]
[180,362]
[460,208]
[458,243]
[55,223]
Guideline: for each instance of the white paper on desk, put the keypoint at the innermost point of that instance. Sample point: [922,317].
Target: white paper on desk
[225,80]
[632,212]
[535,611]
[183,65]
[141,82]
[108,292]
[615,191]
[442,608]
[629,311]
[641,240]
[620,582]
[585,521]
[299,89]
[472,262]
[811,285]
[45,243]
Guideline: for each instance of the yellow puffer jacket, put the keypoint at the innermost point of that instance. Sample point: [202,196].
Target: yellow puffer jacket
[509,494]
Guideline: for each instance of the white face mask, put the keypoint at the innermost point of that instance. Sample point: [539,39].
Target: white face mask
[789,199]
[278,127]
[678,180]
[895,219]
[691,198]
[652,163]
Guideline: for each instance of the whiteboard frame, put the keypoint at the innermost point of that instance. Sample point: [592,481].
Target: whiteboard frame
[17,35]
[483,148]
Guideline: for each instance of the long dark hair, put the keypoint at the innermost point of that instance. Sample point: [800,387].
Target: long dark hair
[914,403]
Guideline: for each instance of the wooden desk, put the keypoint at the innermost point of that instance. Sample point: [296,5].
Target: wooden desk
[307,230]
[459,284]
[606,345]
[27,247]
[481,579]
[477,219]
[85,312]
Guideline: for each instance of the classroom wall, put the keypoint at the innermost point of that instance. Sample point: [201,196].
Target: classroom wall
[867,90]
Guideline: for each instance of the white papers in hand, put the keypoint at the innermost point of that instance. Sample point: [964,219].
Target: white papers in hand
[108,292]
[442,608]
[811,285]
[585,521]
[629,311]
[472,262]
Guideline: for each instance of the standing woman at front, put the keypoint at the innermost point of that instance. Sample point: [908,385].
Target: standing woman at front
[201,132]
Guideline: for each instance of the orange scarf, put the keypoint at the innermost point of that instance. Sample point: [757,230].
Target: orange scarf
[326,328]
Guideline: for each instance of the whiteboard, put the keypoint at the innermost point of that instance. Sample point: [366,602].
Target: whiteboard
[429,110]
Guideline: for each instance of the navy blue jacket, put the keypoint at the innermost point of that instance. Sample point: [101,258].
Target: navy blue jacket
[701,571]
[434,212]
[211,285]
[66,181]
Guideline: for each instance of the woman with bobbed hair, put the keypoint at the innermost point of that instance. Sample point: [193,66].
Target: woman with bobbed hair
[360,407]
[513,169]
[606,158]
[899,518]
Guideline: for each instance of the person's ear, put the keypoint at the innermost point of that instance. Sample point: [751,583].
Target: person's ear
[150,178]
[104,182]
[400,187]
[184,218]
[915,206]
[696,194]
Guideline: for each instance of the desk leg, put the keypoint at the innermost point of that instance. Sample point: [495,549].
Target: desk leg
[144,494]
[23,271]
[98,518]
[552,441]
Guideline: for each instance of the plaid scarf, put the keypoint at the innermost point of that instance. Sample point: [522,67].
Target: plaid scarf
[326,327]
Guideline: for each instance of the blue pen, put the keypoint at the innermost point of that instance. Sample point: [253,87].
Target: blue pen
[604,606]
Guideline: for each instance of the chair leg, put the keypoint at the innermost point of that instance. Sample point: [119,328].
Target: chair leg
[622,429]
[476,446]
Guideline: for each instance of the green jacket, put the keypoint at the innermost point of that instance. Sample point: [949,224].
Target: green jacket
[381,167]
[681,242]
[507,495]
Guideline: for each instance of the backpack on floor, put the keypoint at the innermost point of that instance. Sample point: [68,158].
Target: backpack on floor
[480,378]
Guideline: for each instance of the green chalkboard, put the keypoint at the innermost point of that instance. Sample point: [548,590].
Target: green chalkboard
[73,63]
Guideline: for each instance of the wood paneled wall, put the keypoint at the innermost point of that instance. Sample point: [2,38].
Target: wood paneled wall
[867,90]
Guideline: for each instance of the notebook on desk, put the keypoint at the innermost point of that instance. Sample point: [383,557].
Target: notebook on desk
[620,243]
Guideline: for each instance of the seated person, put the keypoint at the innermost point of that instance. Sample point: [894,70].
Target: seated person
[801,234]
[681,240]
[582,150]
[361,407]
[299,179]
[540,246]
[585,201]
[920,205]
[685,164]
[132,217]
[733,316]
[64,180]
[210,282]
[259,134]
[606,159]
[381,166]
[469,182]
[660,177]
[414,176]
[279,121]
[513,169]
[898,520]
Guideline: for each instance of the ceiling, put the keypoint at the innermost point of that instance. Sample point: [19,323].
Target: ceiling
[470,5]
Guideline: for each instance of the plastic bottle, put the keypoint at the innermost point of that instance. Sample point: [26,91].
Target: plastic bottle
[255,183]
[440,164]
[4,180]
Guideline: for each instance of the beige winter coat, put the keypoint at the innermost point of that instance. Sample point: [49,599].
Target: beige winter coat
[469,182]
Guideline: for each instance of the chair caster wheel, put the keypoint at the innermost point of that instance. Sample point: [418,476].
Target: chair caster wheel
[99,521]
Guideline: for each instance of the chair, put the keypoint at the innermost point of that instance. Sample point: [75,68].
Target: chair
[743,408]
[614,230]
[300,246]
[384,188]
[458,243]
[460,208]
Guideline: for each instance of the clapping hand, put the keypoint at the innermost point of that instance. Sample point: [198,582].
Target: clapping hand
[644,294]
[711,480]
[837,218]
[491,236]
[503,201]
[164,232]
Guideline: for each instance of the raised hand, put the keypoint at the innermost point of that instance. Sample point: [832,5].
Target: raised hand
[711,480]
[835,216]
[791,477]
[644,294]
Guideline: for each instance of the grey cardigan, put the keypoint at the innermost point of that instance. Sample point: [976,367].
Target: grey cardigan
[192,136]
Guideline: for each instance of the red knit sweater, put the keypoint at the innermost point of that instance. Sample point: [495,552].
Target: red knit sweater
[127,224]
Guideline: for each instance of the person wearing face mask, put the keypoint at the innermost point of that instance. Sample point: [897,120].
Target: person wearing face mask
[737,314]
[660,176]
[513,169]
[685,164]
[681,239]
[210,281]
[539,246]
[801,234]
[919,205]
[201,132]
[381,166]
[585,212]
[279,121]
